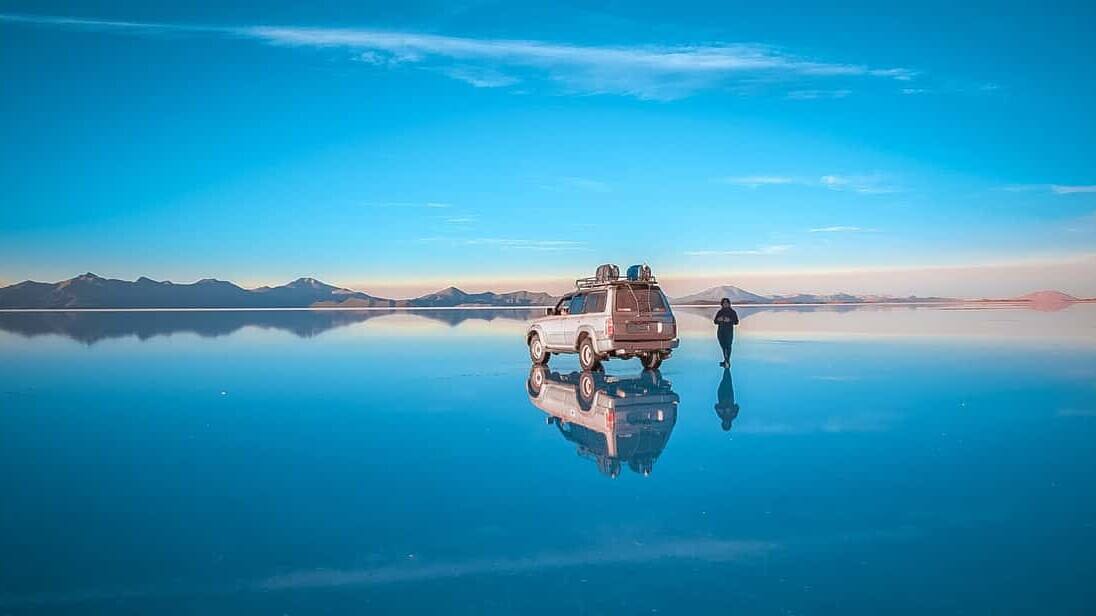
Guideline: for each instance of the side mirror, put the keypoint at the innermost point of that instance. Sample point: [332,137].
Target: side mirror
[549,311]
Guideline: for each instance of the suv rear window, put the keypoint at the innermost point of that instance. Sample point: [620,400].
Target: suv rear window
[576,304]
[640,298]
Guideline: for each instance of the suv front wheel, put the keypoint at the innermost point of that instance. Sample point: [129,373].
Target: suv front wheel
[537,352]
[587,356]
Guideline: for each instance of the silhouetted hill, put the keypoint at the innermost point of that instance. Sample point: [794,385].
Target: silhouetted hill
[91,291]
[453,296]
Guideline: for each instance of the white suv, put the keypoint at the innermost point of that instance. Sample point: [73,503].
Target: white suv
[607,317]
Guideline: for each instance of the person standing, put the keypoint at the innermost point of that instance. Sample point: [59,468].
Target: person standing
[726,319]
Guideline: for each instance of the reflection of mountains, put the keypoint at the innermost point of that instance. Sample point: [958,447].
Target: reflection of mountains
[746,311]
[91,327]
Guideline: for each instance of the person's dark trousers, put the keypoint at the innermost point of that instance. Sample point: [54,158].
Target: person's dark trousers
[726,340]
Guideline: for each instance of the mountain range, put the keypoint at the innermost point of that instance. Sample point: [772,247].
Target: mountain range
[91,291]
[737,295]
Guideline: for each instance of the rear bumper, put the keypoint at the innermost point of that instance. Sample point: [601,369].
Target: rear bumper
[634,346]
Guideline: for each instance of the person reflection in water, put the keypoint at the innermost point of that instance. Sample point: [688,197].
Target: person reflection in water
[726,319]
[725,407]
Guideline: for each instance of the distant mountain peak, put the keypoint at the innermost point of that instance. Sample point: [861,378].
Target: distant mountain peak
[715,294]
[309,282]
[448,292]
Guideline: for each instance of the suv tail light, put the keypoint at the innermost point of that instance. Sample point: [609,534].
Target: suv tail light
[609,326]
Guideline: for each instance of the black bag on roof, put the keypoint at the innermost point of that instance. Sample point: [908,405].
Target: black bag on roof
[607,272]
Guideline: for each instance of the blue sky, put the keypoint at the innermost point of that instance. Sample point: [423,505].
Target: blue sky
[394,148]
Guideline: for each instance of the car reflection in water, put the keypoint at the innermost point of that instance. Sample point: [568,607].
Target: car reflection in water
[613,420]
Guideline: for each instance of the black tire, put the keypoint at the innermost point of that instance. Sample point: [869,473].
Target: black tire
[651,361]
[538,353]
[652,377]
[537,376]
[587,356]
[587,387]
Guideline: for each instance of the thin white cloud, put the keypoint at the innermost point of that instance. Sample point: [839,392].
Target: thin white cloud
[1057,189]
[754,181]
[481,77]
[914,91]
[510,243]
[705,550]
[863,184]
[806,95]
[842,229]
[644,71]
[775,249]
[433,205]
[412,569]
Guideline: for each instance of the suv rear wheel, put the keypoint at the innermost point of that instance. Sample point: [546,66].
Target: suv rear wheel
[587,355]
[651,361]
[537,352]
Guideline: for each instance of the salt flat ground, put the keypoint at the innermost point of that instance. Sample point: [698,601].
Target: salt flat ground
[881,460]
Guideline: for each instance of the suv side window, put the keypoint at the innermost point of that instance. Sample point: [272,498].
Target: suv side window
[595,302]
[577,304]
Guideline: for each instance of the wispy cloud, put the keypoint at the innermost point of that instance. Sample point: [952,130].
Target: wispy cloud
[644,71]
[1057,189]
[863,184]
[806,95]
[510,243]
[842,229]
[754,181]
[481,77]
[751,252]
[432,205]
[461,220]
[710,550]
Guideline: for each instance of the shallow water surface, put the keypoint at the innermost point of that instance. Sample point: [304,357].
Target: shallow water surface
[852,461]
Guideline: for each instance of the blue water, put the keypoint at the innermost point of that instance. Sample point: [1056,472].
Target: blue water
[298,462]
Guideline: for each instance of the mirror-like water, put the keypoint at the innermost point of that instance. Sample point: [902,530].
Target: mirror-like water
[851,461]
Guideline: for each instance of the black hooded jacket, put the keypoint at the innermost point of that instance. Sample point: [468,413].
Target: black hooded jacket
[726,319]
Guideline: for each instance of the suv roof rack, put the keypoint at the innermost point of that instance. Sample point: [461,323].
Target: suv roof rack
[592,281]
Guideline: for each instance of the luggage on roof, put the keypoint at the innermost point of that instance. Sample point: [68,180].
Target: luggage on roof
[639,272]
[607,272]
